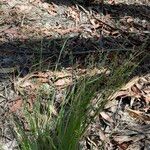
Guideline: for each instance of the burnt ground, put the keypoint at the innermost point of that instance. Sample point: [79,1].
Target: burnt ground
[32,34]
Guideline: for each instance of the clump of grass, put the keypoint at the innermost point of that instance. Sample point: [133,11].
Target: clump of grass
[53,127]
[63,128]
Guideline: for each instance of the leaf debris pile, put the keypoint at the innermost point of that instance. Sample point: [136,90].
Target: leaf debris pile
[125,122]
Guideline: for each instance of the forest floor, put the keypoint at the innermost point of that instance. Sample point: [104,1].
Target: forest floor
[33,33]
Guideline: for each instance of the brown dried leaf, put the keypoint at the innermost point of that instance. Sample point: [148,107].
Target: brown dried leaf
[130,89]
[15,104]
[138,115]
[124,145]
[106,31]
[106,117]
[136,90]
[131,83]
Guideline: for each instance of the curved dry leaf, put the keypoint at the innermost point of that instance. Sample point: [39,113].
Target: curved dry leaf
[131,83]
[136,90]
[105,116]
[138,115]
[130,89]
[115,33]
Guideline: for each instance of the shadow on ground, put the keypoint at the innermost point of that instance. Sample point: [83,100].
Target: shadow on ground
[43,54]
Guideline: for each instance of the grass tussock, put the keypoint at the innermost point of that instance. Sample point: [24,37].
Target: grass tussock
[62,128]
